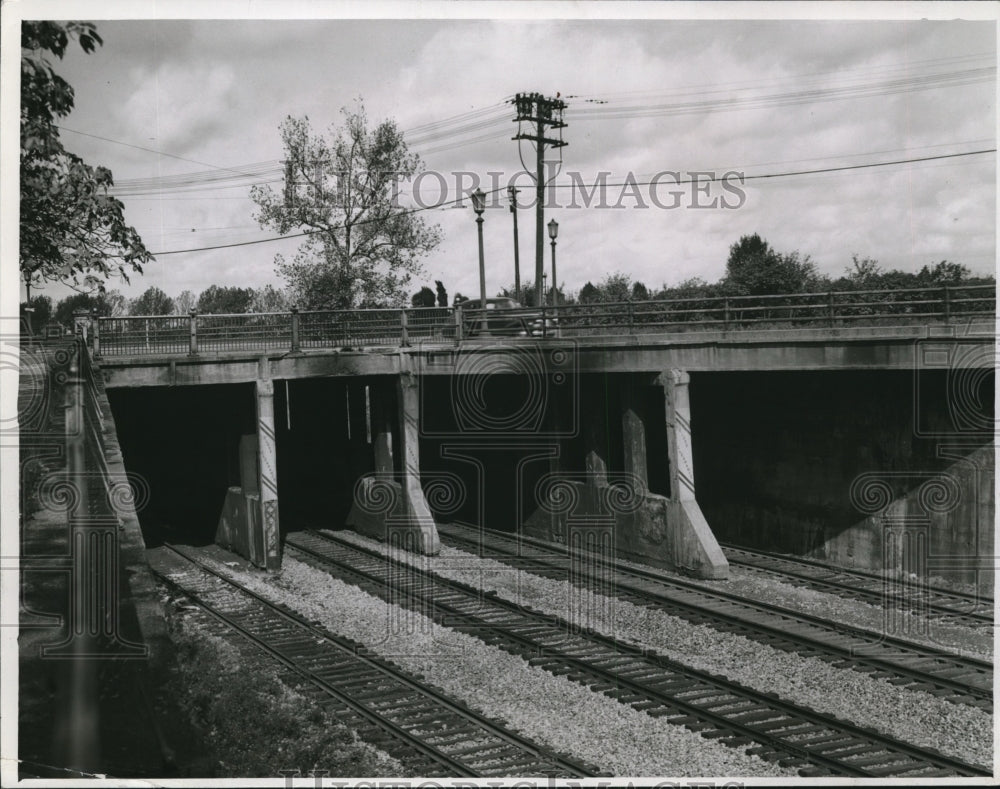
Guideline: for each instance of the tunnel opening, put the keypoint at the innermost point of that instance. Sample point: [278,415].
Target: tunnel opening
[323,437]
[495,437]
[777,453]
[184,443]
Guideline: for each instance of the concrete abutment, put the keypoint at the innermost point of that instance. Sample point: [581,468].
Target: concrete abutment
[667,531]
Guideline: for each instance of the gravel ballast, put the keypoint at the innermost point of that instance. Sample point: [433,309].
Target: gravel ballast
[968,641]
[913,716]
[553,711]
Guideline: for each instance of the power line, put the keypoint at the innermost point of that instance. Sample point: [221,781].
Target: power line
[788,98]
[435,134]
[763,176]
[147,150]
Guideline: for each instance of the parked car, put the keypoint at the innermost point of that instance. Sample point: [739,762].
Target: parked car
[506,317]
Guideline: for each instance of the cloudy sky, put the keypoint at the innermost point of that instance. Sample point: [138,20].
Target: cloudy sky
[186,114]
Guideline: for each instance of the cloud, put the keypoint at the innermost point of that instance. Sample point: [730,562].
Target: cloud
[216,92]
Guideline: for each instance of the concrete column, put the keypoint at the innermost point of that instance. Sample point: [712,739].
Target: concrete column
[360,452]
[678,404]
[381,430]
[356,415]
[634,435]
[268,473]
[697,550]
[417,515]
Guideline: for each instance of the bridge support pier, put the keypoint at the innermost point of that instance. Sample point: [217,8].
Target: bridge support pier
[248,524]
[268,474]
[634,436]
[694,545]
[417,516]
[388,505]
[615,508]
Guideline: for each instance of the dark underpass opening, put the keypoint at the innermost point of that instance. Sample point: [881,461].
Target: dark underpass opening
[780,457]
[183,442]
[324,445]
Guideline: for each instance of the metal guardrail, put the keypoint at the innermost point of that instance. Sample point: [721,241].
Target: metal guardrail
[295,331]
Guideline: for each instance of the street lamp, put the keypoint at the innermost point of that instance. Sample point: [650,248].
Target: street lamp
[553,232]
[479,205]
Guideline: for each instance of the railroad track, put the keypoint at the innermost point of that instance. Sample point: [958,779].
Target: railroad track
[919,598]
[775,730]
[962,680]
[435,734]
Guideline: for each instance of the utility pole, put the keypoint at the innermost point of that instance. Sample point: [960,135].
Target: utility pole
[541,111]
[512,194]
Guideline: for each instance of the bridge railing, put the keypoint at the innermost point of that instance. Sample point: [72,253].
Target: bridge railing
[392,327]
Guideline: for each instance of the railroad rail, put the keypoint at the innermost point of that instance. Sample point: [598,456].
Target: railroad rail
[958,679]
[438,736]
[919,598]
[775,730]
[297,330]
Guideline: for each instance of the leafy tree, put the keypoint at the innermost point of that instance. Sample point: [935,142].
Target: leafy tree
[118,305]
[362,245]
[589,294]
[68,306]
[863,272]
[640,292]
[459,298]
[269,299]
[442,294]
[72,230]
[615,287]
[185,302]
[943,272]
[41,313]
[755,269]
[153,301]
[225,300]
[423,298]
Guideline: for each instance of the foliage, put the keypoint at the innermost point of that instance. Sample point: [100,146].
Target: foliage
[944,272]
[613,288]
[184,302]
[755,269]
[81,301]
[362,246]
[153,301]
[863,271]
[528,294]
[40,315]
[71,229]
[289,731]
[117,303]
[423,298]
[867,274]
[225,300]
[442,294]
[269,299]
[589,294]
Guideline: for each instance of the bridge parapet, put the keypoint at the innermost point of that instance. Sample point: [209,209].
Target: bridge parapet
[296,331]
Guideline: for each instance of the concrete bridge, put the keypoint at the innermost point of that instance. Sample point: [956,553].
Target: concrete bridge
[823,433]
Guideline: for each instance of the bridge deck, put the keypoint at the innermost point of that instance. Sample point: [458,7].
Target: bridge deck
[883,347]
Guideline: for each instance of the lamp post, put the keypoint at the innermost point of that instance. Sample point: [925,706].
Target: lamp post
[553,232]
[479,205]
[512,196]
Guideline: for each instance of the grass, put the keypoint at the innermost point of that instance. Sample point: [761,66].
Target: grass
[252,722]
